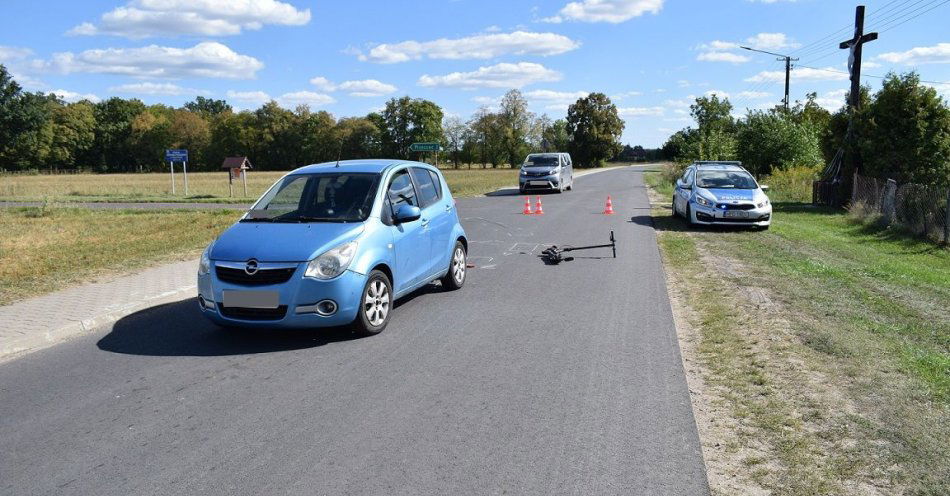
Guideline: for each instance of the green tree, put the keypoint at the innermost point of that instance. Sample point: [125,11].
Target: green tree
[455,132]
[773,139]
[188,130]
[717,128]
[595,129]
[113,149]
[208,107]
[25,128]
[151,136]
[517,124]
[74,131]
[555,137]
[407,121]
[907,134]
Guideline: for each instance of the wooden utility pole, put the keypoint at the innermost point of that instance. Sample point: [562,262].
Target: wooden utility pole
[854,60]
[788,69]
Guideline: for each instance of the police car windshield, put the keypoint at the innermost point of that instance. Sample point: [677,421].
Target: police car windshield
[540,160]
[725,179]
[331,197]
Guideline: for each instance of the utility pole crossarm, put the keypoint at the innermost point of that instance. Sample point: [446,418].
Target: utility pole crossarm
[788,68]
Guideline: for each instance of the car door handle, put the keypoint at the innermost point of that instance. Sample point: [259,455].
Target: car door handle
[448,208]
[425,222]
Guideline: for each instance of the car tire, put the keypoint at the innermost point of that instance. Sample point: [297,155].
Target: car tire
[570,187]
[762,228]
[455,278]
[376,305]
[673,207]
[688,217]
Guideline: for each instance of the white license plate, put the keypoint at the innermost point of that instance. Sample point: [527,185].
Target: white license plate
[735,214]
[250,299]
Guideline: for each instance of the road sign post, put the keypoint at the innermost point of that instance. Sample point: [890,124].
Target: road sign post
[173,156]
[427,147]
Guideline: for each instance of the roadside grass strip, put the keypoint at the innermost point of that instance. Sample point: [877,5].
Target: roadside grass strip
[827,342]
[45,249]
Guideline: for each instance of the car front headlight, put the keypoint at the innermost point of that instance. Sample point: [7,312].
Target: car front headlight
[762,203]
[524,172]
[204,264]
[332,263]
[704,201]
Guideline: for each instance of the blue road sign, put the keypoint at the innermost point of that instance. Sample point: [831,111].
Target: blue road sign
[176,155]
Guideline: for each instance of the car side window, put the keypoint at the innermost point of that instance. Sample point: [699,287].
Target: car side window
[437,183]
[427,192]
[689,177]
[400,191]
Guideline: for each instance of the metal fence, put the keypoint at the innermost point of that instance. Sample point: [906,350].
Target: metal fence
[916,208]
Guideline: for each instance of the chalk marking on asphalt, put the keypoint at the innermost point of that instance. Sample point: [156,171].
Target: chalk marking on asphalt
[508,232]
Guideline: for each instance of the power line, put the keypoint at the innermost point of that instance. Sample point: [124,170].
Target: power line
[868,75]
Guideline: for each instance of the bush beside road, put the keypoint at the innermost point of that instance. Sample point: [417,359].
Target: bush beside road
[821,350]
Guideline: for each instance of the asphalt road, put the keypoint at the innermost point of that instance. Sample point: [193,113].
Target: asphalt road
[533,379]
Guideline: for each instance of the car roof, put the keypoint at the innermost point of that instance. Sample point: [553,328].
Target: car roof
[364,165]
[708,165]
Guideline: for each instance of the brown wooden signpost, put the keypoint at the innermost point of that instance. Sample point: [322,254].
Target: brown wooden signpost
[237,167]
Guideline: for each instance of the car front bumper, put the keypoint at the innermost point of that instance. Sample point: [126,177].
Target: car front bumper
[296,299]
[539,182]
[731,217]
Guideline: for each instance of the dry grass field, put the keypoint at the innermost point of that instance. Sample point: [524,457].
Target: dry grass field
[202,186]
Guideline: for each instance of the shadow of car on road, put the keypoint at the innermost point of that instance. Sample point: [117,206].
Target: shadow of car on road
[179,329]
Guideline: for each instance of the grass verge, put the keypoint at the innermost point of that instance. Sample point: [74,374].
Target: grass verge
[826,347]
[45,249]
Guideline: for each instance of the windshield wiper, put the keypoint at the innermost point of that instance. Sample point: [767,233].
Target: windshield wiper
[258,219]
[307,218]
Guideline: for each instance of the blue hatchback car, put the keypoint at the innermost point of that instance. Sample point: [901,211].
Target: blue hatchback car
[335,244]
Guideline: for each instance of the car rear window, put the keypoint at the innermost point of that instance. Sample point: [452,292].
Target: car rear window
[427,191]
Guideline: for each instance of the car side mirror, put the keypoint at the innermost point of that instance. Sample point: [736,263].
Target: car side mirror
[407,213]
[682,185]
[764,187]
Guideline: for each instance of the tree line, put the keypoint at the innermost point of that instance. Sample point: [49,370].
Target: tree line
[42,132]
[901,132]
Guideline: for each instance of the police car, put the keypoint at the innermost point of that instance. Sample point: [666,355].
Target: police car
[723,193]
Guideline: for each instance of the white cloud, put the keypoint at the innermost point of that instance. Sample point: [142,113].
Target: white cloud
[640,111]
[8,53]
[937,54]
[721,94]
[734,58]
[146,18]
[725,51]
[322,83]
[832,100]
[502,75]
[625,94]
[72,96]
[149,88]
[482,46]
[249,97]
[290,100]
[361,88]
[753,94]
[287,100]
[487,100]
[206,59]
[799,74]
[771,41]
[555,100]
[612,11]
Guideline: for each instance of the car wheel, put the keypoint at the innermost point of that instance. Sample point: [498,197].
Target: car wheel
[570,187]
[689,216]
[673,207]
[376,304]
[762,228]
[455,277]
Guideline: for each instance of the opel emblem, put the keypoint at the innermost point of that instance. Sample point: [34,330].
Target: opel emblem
[251,267]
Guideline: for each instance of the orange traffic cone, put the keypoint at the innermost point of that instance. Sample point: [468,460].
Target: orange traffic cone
[527,206]
[537,208]
[609,209]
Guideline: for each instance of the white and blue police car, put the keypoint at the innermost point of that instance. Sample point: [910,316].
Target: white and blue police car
[723,193]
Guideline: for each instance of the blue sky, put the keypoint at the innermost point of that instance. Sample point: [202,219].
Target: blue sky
[652,57]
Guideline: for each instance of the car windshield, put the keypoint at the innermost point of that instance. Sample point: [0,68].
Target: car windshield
[540,160]
[725,179]
[327,197]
